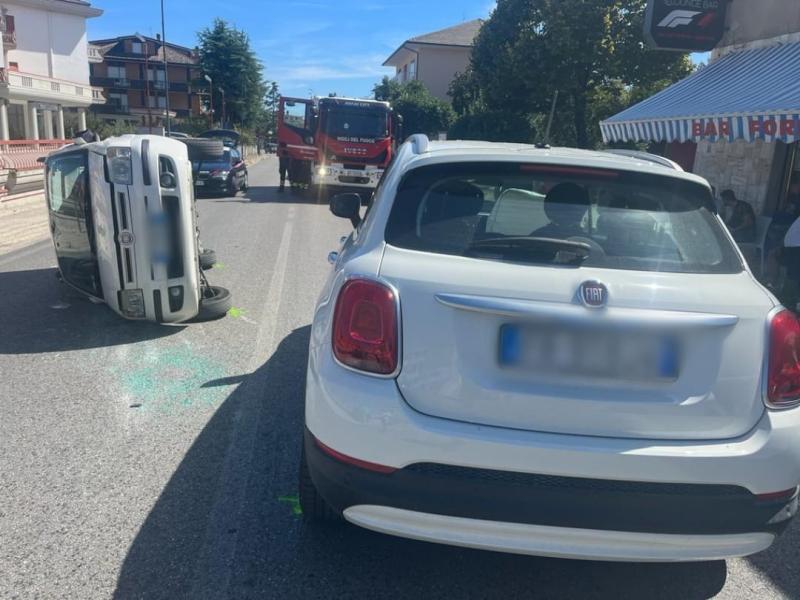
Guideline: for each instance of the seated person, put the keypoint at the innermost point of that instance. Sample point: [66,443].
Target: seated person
[739,217]
[565,205]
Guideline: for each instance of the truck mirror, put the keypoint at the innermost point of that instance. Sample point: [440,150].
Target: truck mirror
[347,206]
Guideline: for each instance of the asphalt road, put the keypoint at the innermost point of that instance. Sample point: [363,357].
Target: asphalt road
[139,461]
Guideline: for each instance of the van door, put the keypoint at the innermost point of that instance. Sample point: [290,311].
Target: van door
[70,221]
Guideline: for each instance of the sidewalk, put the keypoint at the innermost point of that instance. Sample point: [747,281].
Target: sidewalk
[23,221]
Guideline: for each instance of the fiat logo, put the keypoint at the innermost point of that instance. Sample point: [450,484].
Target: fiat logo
[126,238]
[593,294]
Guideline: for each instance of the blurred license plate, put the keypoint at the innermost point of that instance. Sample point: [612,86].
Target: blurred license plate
[590,352]
[199,183]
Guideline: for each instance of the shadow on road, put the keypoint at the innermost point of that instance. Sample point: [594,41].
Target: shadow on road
[40,314]
[224,527]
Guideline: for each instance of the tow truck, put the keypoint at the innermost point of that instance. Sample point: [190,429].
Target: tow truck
[336,142]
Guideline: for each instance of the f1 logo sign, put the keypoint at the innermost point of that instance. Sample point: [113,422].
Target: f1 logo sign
[678,18]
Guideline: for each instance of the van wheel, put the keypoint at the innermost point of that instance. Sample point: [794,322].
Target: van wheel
[208,258]
[314,506]
[214,303]
[201,149]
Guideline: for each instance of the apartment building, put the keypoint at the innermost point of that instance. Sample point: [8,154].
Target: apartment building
[435,58]
[44,75]
[134,82]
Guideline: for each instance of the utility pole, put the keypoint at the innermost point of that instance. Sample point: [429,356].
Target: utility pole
[166,71]
[222,91]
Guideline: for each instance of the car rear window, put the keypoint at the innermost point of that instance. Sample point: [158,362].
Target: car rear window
[537,214]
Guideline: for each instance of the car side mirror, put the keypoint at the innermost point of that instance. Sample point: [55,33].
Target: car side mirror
[347,206]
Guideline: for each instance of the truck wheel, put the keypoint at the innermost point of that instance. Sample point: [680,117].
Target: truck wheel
[204,149]
[208,258]
[314,506]
[214,304]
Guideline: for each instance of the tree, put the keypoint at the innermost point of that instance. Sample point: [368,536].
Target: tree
[421,111]
[226,57]
[587,50]
[271,102]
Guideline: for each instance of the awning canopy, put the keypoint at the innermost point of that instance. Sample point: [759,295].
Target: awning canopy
[749,95]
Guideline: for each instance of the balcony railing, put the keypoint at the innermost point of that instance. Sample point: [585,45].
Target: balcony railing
[94,54]
[49,88]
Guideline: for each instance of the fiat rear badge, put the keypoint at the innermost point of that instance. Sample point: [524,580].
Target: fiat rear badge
[593,294]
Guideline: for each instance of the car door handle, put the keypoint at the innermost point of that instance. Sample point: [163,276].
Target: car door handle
[333,257]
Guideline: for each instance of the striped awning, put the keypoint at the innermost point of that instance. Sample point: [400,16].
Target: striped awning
[747,95]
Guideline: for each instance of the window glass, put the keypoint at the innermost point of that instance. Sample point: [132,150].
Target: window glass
[540,214]
[294,114]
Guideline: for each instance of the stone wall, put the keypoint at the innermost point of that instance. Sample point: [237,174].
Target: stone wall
[744,167]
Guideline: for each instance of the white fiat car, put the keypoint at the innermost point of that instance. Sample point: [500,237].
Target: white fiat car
[550,352]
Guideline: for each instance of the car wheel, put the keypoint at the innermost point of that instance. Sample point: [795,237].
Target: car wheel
[245,183]
[313,505]
[214,304]
[208,258]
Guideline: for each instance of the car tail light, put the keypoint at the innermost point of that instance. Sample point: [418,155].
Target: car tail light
[365,327]
[783,383]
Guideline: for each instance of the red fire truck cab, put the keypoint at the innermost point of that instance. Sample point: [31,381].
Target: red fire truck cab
[336,142]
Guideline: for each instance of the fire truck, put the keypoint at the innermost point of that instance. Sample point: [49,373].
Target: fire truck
[336,142]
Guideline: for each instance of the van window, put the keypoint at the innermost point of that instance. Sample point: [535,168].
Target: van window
[551,214]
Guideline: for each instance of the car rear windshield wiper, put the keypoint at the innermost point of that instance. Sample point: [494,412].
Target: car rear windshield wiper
[539,249]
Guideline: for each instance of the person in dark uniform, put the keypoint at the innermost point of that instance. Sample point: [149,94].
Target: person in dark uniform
[283,169]
[739,217]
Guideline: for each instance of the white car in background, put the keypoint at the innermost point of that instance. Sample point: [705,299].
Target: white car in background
[550,352]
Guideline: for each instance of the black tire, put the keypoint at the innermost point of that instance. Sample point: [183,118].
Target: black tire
[204,149]
[314,506]
[208,258]
[214,304]
[246,182]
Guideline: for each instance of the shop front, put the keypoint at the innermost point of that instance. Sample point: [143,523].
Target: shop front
[735,122]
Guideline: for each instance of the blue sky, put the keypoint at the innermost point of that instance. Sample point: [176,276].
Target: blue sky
[319,45]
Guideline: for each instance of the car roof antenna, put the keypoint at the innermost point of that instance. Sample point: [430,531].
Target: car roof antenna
[545,145]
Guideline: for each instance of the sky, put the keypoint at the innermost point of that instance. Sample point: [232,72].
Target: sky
[307,46]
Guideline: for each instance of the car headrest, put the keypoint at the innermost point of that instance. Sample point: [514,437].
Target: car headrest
[565,195]
[453,200]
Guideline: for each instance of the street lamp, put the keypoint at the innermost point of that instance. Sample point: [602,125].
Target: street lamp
[211,97]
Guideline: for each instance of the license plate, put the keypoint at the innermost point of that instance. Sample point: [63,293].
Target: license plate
[199,183]
[595,353]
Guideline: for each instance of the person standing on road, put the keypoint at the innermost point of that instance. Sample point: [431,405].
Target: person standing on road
[283,168]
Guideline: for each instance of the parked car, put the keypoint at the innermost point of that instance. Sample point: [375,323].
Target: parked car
[224,173]
[552,352]
[124,228]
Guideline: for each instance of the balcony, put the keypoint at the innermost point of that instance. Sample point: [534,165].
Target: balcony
[114,108]
[27,86]
[111,82]
[9,40]
[94,54]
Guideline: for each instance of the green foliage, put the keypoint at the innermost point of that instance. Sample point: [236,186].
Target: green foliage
[590,51]
[421,111]
[226,57]
[192,126]
[106,129]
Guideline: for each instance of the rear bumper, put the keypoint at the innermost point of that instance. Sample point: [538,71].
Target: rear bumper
[548,501]
[682,492]
[556,542]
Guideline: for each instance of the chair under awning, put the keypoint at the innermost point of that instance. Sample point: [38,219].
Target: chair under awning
[745,95]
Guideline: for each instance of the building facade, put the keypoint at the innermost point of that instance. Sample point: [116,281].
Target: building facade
[134,82]
[735,121]
[435,58]
[44,75]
